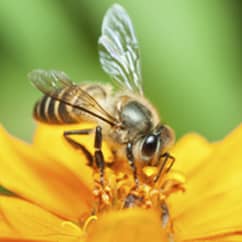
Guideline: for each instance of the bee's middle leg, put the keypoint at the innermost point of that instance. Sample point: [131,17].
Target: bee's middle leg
[130,156]
[98,155]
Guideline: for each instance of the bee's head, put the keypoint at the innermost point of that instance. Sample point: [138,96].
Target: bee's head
[154,144]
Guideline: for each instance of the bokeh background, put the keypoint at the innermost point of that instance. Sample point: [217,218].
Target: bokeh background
[191,57]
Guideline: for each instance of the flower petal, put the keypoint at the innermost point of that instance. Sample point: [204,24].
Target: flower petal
[212,203]
[21,240]
[189,152]
[50,140]
[22,220]
[28,173]
[129,226]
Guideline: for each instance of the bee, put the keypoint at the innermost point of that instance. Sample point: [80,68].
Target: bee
[124,118]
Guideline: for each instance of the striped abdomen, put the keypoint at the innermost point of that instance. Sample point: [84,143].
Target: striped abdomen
[54,111]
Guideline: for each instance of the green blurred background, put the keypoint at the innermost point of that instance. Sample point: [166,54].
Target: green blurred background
[191,57]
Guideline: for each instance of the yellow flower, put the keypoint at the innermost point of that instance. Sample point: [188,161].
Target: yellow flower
[52,193]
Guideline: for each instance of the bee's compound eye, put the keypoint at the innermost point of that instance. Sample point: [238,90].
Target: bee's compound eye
[149,146]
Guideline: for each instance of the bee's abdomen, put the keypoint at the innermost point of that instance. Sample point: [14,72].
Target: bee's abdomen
[52,111]
[68,104]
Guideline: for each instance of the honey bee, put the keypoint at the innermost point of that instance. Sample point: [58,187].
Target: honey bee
[124,118]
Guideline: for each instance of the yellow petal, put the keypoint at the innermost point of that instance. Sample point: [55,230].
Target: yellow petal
[21,240]
[212,203]
[22,220]
[129,226]
[50,140]
[236,237]
[32,175]
[189,152]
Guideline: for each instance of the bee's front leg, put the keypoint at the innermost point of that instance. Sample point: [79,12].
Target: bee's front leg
[164,167]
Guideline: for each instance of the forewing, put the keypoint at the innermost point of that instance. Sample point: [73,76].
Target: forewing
[119,50]
[53,82]
[49,82]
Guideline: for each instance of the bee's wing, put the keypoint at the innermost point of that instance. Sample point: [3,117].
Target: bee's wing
[119,50]
[52,82]
[49,81]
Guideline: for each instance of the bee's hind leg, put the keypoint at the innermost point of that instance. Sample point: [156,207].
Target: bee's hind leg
[98,155]
[77,145]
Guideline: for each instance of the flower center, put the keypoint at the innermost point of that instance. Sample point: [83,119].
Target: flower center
[119,192]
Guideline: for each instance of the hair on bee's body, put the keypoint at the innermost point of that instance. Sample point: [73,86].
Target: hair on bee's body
[124,118]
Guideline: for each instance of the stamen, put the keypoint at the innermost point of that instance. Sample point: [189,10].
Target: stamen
[89,220]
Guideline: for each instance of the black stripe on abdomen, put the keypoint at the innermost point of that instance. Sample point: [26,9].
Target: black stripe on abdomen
[39,110]
[53,111]
[53,105]
[64,114]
